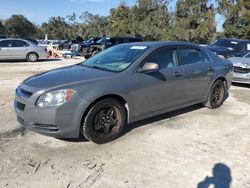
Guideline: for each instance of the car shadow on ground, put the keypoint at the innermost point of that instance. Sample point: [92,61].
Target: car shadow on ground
[241,85]
[154,119]
[81,138]
[50,59]
[144,122]
[221,177]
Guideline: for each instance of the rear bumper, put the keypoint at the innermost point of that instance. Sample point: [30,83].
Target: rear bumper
[60,122]
[43,55]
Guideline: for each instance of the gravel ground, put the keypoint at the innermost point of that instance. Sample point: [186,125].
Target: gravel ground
[180,149]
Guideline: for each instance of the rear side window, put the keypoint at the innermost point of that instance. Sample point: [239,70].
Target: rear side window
[164,57]
[192,56]
[5,43]
[19,43]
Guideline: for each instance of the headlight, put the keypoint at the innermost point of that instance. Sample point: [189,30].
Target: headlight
[55,98]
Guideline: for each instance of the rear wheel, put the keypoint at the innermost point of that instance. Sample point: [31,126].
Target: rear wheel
[104,121]
[32,57]
[217,95]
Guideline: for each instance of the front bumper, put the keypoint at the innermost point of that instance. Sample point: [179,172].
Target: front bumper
[61,122]
[241,78]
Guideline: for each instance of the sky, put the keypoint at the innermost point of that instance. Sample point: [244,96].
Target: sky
[39,11]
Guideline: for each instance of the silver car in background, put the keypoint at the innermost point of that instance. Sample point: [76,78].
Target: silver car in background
[15,49]
[241,73]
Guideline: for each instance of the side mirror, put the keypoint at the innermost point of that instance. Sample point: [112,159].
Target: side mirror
[149,67]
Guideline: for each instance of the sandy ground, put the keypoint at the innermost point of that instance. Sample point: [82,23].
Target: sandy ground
[174,150]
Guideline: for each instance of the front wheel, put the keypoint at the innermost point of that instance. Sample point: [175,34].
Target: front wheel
[217,95]
[104,121]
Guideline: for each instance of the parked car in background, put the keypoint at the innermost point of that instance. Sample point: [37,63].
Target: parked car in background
[13,49]
[241,72]
[229,47]
[107,42]
[3,37]
[121,85]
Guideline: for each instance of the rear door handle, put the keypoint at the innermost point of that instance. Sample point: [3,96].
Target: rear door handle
[177,74]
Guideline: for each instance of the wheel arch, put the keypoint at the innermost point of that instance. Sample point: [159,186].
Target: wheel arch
[222,78]
[106,96]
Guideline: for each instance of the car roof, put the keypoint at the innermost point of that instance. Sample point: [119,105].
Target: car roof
[27,41]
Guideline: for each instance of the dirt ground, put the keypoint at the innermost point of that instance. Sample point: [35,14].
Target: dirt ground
[180,149]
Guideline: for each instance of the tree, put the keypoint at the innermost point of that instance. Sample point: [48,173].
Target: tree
[120,21]
[94,25]
[237,14]
[193,21]
[56,28]
[2,28]
[148,19]
[19,26]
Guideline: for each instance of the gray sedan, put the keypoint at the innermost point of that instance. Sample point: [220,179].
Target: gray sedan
[14,49]
[120,85]
[241,72]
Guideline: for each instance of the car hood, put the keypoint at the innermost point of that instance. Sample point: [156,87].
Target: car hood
[66,76]
[239,61]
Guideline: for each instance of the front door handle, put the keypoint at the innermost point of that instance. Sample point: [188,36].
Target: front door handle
[177,74]
[210,69]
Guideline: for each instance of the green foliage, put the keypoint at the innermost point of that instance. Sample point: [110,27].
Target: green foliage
[56,28]
[2,29]
[192,20]
[237,15]
[94,25]
[19,26]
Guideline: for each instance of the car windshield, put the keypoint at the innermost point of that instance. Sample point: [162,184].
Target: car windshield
[232,45]
[247,55]
[102,40]
[116,58]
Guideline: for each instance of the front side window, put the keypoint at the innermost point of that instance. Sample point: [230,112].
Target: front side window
[164,57]
[116,58]
[192,56]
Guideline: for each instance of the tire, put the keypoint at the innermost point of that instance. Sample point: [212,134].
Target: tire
[104,122]
[217,95]
[32,57]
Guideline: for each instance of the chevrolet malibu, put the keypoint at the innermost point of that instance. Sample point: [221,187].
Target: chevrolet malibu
[123,84]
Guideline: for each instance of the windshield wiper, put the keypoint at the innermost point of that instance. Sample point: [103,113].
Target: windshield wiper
[97,67]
